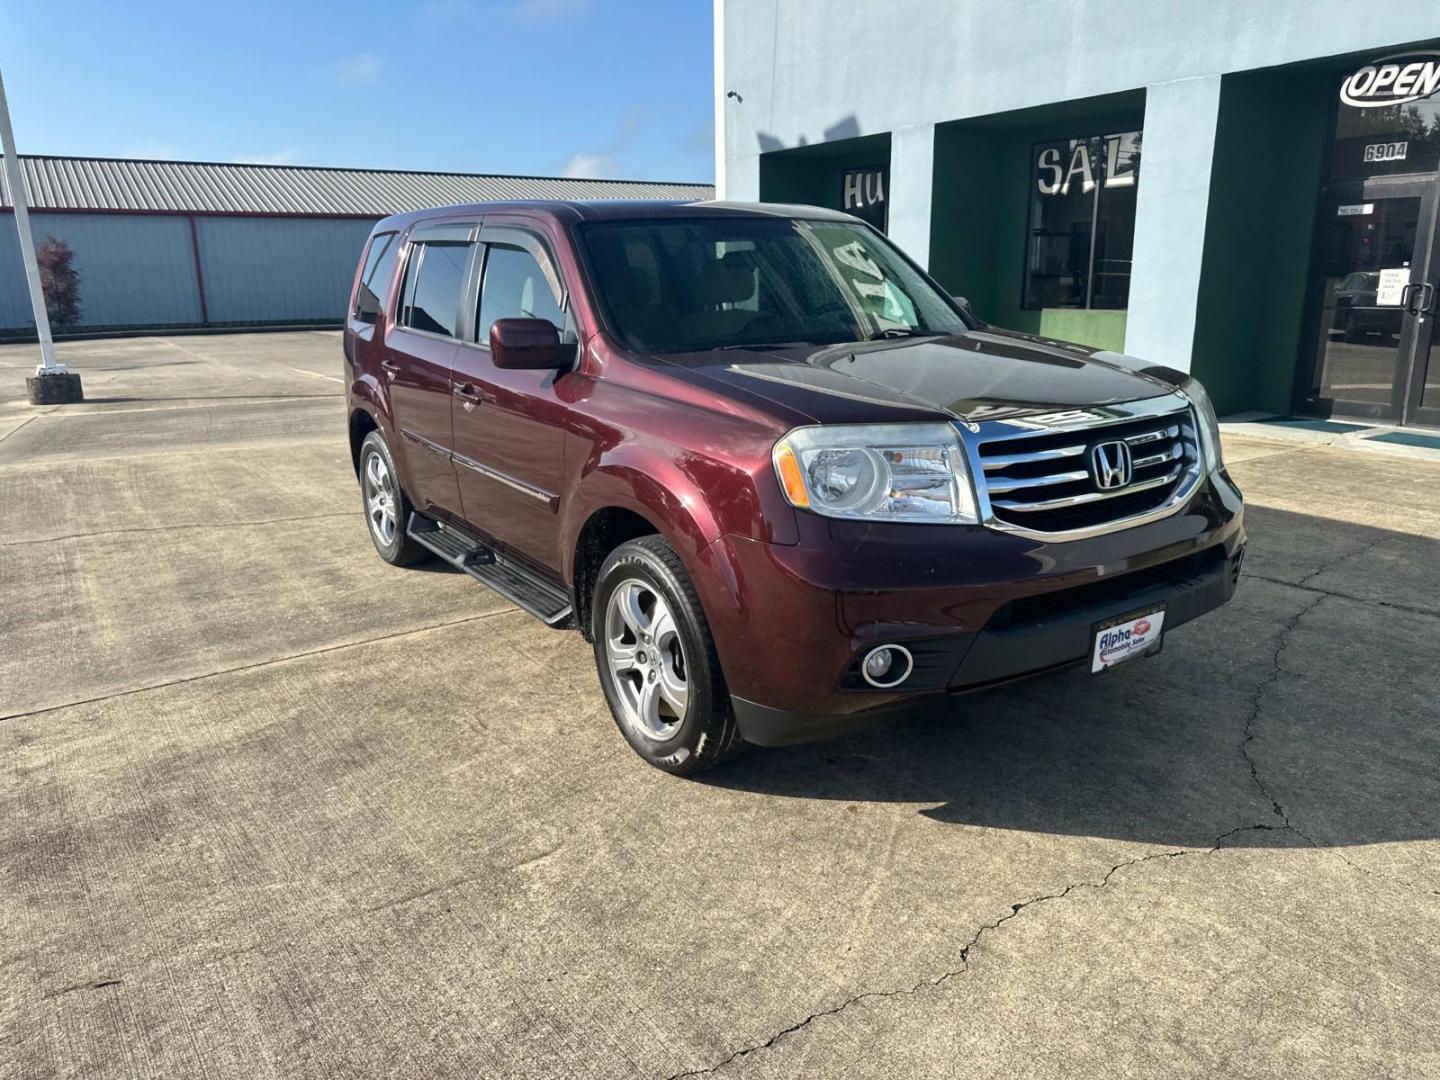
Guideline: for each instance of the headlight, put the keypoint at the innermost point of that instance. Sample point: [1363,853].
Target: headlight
[889,472]
[1209,424]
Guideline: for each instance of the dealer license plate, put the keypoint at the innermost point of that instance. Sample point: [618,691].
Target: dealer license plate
[1125,638]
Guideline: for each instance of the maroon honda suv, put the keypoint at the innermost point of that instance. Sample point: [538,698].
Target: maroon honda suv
[783,483]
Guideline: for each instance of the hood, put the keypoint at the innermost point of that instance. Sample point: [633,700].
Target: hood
[978,375]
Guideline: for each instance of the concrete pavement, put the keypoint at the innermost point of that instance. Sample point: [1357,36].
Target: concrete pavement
[271,808]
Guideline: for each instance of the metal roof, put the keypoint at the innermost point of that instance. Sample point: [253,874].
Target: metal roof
[203,187]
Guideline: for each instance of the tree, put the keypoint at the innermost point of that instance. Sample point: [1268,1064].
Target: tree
[60,282]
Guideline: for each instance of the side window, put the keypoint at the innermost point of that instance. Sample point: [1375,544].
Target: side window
[375,279]
[516,286]
[433,286]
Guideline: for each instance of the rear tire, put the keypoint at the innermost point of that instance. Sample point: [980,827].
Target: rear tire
[657,661]
[387,509]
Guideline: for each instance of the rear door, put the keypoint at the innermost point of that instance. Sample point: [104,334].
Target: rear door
[420,352]
[508,425]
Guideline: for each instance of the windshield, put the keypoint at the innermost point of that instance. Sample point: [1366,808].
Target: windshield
[689,285]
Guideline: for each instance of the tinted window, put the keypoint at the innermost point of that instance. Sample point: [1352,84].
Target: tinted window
[434,305]
[676,286]
[375,280]
[515,287]
[1082,222]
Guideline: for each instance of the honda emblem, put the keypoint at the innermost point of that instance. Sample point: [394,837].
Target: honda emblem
[1110,464]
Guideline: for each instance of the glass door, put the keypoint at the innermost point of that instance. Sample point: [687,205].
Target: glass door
[1375,244]
[1423,399]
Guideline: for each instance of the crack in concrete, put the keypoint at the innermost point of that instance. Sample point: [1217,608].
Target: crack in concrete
[1393,605]
[964,955]
[16,428]
[1338,560]
[258,664]
[173,528]
[418,894]
[100,984]
[1282,642]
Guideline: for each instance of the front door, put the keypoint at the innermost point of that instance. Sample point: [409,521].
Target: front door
[1375,277]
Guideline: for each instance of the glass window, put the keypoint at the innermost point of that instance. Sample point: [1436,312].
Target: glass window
[433,304]
[1082,222]
[864,194]
[1388,119]
[690,285]
[375,279]
[516,287]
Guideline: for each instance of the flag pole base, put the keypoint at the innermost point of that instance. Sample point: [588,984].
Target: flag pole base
[60,388]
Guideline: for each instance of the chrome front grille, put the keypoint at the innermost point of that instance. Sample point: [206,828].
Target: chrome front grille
[1040,476]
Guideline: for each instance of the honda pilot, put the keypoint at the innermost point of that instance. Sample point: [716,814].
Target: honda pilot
[783,483]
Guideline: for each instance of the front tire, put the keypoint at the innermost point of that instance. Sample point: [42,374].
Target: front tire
[387,509]
[657,661]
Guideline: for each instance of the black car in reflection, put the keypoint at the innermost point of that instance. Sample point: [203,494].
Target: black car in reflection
[1357,315]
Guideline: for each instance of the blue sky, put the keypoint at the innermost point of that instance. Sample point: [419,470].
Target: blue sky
[614,88]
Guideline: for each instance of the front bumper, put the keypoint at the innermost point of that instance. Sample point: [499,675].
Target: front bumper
[976,607]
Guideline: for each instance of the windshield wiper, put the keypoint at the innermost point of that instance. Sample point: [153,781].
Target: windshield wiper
[758,346]
[902,332]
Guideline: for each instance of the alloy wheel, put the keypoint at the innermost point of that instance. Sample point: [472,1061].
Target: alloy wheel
[646,661]
[380,500]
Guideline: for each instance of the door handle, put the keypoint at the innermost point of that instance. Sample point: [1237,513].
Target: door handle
[1419,298]
[1427,298]
[468,395]
[390,367]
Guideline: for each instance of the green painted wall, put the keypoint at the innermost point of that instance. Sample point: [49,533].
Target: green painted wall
[815,175]
[1270,149]
[1102,329]
[981,215]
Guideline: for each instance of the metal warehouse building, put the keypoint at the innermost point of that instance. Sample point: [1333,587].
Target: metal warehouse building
[194,244]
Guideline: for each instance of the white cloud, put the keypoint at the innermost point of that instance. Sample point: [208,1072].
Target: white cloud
[362,69]
[584,166]
[603,162]
[537,11]
[286,156]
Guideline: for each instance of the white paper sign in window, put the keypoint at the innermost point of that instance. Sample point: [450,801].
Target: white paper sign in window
[1391,292]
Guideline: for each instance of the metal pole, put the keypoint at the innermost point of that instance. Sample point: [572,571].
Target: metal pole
[47,365]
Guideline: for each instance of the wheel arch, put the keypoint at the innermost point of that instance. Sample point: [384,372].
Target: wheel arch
[361,424]
[603,531]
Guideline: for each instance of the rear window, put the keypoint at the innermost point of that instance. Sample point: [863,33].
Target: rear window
[433,300]
[375,278]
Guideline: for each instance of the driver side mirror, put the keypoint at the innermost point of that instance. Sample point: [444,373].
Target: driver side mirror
[526,344]
[966,310]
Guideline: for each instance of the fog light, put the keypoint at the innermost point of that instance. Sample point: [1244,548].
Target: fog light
[887,666]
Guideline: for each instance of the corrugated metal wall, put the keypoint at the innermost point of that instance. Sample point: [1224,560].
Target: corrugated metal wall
[278,269]
[14,301]
[138,270]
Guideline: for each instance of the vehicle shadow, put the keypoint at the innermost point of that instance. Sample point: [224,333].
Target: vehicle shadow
[1320,674]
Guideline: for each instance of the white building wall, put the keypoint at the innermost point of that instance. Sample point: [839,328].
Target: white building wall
[798,72]
[1171,206]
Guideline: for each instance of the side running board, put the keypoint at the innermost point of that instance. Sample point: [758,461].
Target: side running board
[547,601]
